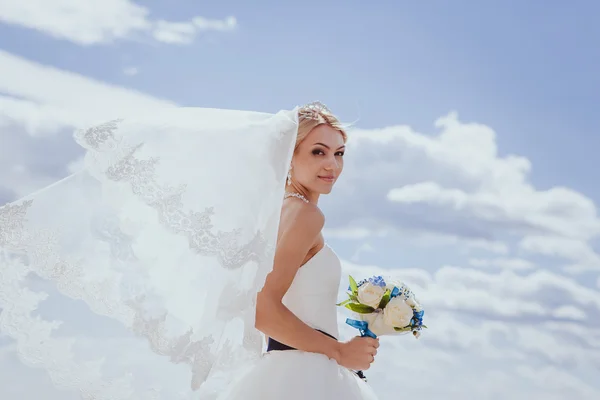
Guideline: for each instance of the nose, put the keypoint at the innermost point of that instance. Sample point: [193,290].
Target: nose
[331,164]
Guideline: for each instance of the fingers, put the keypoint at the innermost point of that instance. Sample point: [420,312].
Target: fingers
[366,367]
[368,347]
[366,364]
[372,342]
[371,345]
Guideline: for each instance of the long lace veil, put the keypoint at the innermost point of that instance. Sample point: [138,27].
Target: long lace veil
[136,277]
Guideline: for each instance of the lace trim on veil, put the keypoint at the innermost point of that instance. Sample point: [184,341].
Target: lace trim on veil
[36,250]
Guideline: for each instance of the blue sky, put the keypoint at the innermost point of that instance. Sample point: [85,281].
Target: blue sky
[491,215]
[527,69]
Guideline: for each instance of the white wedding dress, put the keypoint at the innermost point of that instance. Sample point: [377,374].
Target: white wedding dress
[298,375]
[136,277]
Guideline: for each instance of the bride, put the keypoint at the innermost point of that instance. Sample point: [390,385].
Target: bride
[296,306]
[154,272]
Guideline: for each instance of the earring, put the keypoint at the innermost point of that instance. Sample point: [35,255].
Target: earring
[289,177]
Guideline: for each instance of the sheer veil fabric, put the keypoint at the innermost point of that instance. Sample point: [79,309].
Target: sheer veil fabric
[136,277]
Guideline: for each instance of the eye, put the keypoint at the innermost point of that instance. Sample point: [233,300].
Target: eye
[318,152]
[340,154]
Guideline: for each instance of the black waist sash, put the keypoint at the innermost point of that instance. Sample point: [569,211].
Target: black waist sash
[274,345]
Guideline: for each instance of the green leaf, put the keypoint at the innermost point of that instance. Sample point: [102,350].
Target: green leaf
[405,329]
[360,308]
[354,298]
[353,285]
[343,303]
[385,299]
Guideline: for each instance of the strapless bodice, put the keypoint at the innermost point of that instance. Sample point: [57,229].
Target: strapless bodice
[314,291]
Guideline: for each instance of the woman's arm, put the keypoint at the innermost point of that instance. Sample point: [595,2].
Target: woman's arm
[301,225]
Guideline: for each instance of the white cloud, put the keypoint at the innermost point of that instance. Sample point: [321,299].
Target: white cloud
[205,24]
[86,23]
[516,264]
[66,97]
[416,237]
[569,312]
[355,233]
[489,245]
[185,32]
[174,32]
[131,71]
[38,114]
[363,248]
[571,249]
[456,184]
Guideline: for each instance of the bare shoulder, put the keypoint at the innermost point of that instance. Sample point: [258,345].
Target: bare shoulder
[299,230]
[300,218]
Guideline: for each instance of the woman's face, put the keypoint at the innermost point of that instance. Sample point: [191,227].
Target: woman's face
[318,160]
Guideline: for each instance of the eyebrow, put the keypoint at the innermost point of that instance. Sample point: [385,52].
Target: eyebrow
[327,147]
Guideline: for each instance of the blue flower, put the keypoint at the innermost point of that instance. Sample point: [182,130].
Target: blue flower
[377,281]
[358,284]
[417,319]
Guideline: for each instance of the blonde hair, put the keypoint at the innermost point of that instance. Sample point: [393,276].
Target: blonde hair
[320,117]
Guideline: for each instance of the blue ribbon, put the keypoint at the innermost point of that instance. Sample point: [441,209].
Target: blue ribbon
[362,326]
[395,292]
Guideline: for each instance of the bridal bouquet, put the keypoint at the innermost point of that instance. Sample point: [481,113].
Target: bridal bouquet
[383,307]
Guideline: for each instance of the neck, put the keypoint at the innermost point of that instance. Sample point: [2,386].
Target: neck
[310,196]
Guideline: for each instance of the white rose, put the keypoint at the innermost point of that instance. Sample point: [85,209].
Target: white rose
[397,313]
[370,294]
[413,303]
[377,325]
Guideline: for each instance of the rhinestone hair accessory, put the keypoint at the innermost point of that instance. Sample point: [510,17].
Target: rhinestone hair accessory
[313,110]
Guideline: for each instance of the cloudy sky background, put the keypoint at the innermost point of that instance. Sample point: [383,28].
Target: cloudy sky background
[471,169]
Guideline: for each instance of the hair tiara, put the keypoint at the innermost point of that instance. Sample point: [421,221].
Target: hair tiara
[313,110]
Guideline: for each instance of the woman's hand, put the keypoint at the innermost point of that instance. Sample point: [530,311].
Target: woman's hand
[358,353]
